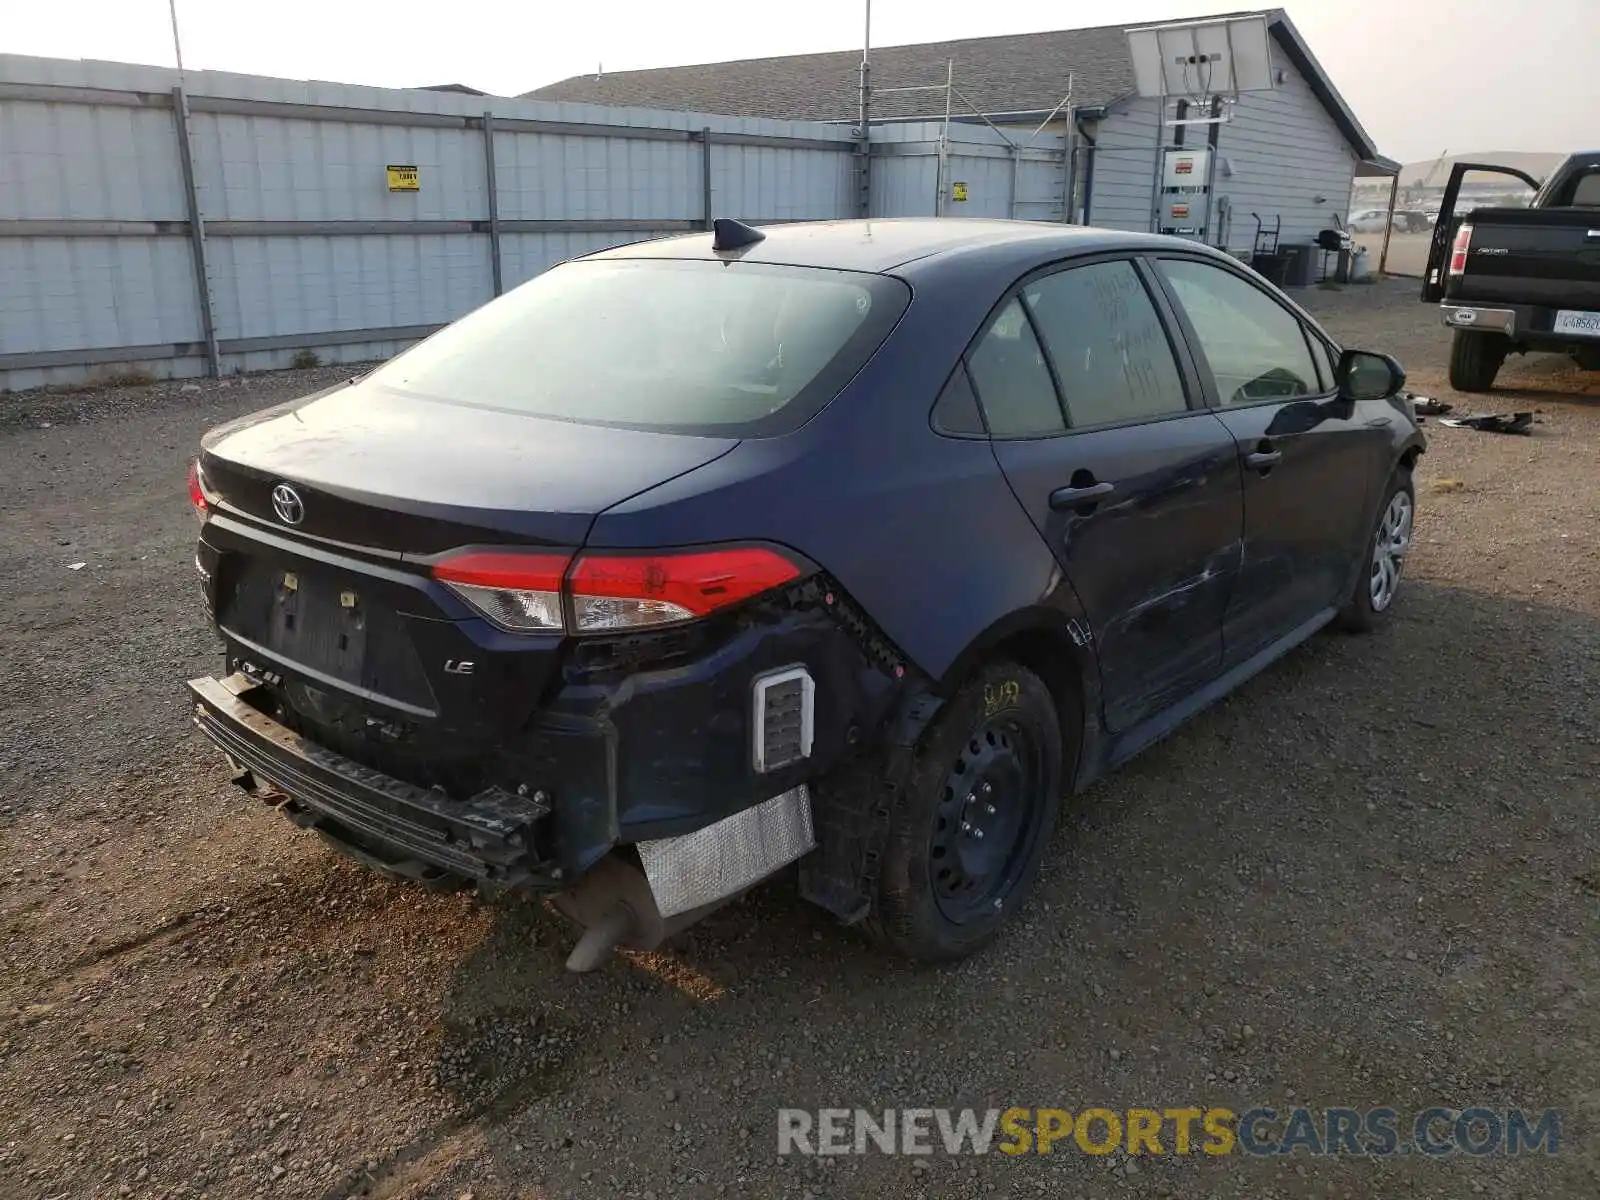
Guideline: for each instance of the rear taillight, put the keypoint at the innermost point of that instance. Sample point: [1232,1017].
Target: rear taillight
[520,592]
[197,488]
[1458,251]
[627,591]
[608,592]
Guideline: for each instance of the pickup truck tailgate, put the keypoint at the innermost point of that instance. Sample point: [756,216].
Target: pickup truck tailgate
[1547,256]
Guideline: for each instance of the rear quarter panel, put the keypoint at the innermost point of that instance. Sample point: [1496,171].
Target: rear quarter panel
[920,529]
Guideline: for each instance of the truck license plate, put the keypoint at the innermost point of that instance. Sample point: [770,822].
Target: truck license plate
[1584,324]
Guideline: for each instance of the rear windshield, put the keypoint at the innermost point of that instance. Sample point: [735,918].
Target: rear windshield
[686,346]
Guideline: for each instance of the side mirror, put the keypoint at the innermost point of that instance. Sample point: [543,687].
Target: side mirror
[1363,375]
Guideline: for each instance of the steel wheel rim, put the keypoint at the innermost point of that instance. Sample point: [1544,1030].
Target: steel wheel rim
[1389,546]
[988,817]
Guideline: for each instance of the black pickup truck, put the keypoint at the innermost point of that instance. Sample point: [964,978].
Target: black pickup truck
[1510,280]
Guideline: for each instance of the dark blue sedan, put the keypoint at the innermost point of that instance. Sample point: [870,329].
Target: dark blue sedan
[852,544]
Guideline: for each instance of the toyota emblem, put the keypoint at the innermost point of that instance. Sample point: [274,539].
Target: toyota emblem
[287,504]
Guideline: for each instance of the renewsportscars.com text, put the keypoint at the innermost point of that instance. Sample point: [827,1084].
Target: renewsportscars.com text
[1186,1130]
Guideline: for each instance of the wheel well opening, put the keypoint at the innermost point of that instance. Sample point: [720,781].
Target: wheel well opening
[1050,657]
[1408,460]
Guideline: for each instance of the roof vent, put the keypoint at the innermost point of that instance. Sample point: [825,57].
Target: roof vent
[728,234]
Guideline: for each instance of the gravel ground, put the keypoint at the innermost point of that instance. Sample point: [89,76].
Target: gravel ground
[1371,877]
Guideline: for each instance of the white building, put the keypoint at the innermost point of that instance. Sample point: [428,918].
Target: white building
[1289,154]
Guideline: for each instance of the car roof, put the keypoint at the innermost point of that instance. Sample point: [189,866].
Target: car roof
[884,245]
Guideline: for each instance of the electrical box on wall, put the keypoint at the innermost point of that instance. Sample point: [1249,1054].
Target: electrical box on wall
[1186,169]
[1185,199]
[1185,214]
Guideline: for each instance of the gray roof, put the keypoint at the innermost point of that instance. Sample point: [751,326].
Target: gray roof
[1014,73]
[459,89]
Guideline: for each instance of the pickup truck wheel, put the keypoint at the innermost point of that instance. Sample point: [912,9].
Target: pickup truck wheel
[1475,359]
[973,818]
[1379,579]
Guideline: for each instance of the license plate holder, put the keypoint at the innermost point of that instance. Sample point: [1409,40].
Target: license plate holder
[318,622]
[1576,323]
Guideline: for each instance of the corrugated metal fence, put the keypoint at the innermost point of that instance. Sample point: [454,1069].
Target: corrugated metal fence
[291,223]
[980,172]
[227,222]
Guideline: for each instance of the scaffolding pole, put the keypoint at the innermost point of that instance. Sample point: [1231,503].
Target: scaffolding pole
[864,199]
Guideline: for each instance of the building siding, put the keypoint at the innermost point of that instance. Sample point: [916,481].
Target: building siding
[1282,146]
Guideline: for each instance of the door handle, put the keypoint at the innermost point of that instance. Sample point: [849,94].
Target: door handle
[1071,497]
[1263,458]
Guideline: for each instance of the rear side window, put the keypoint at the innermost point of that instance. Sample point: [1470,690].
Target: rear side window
[956,412]
[1107,344]
[1255,347]
[1586,191]
[678,345]
[1012,380]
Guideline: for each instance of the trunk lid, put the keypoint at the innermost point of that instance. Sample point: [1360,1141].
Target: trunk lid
[1545,256]
[407,476]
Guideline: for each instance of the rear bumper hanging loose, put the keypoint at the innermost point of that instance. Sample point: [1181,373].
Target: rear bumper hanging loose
[394,826]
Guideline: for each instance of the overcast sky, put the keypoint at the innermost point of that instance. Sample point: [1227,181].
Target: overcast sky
[1422,75]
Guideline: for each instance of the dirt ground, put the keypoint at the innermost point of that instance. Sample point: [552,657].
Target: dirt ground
[1371,877]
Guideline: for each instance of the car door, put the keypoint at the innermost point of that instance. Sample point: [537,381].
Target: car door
[1134,485]
[1447,223]
[1310,459]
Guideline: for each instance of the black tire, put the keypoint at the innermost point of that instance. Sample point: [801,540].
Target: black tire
[1475,359]
[1361,612]
[1000,737]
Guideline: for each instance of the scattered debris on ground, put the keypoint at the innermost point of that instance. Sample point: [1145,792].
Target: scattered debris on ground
[1517,422]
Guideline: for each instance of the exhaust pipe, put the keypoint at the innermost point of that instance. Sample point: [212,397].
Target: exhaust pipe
[614,904]
[678,880]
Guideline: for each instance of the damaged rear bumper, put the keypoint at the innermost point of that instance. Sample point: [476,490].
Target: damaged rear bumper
[491,839]
[666,773]
[393,826]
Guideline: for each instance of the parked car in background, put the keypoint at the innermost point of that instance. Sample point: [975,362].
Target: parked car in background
[1373,220]
[853,543]
[1403,220]
[1513,279]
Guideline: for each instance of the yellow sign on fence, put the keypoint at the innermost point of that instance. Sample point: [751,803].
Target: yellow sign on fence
[403,178]
[958,190]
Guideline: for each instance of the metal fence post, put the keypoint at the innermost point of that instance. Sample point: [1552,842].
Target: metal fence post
[197,231]
[1016,166]
[494,203]
[705,177]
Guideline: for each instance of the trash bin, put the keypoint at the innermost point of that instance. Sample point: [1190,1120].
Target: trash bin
[1354,265]
[1302,268]
[1272,266]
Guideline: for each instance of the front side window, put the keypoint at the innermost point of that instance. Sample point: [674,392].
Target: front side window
[1012,380]
[678,345]
[1255,347]
[1107,344]
[1326,367]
